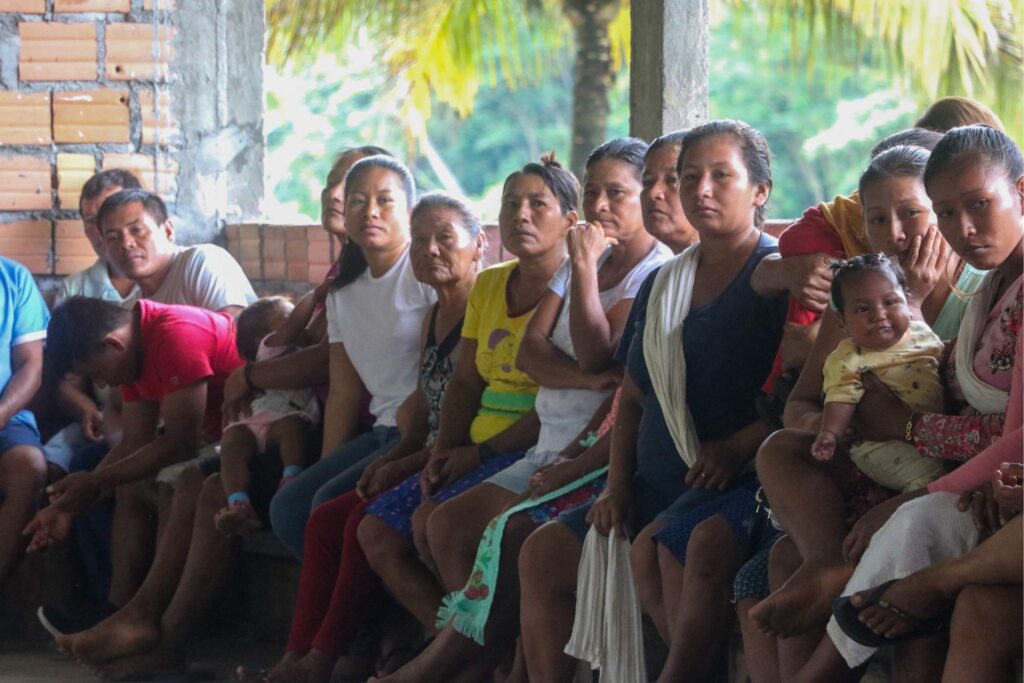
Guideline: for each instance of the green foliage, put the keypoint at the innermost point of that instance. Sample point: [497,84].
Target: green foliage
[820,122]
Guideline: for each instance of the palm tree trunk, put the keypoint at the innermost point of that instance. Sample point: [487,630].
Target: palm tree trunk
[592,76]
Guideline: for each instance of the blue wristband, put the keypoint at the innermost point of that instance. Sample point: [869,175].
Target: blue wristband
[292,471]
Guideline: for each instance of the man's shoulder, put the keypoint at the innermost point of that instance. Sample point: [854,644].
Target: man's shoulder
[13,271]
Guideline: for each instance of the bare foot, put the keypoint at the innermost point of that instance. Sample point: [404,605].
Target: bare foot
[314,667]
[803,602]
[142,666]
[239,519]
[244,674]
[123,634]
[924,596]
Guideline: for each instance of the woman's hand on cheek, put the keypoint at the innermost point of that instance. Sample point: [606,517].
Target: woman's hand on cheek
[924,264]
[881,415]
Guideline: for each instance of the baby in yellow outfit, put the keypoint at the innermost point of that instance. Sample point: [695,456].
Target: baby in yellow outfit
[869,294]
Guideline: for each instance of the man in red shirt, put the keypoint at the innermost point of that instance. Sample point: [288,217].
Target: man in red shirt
[170,363]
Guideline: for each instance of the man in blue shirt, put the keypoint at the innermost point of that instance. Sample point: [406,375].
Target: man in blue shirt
[23,321]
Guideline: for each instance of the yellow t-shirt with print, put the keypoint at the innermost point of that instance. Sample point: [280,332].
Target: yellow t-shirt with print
[910,367]
[510,392]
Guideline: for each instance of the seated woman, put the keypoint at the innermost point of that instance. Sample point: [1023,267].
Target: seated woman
[568,344]
[487,418]
[337,590]
[662,442]
[825,232]
[978,593]
[374,314]
[984,226]
[684,577]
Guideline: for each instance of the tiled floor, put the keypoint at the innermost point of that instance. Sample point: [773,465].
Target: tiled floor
[37,663]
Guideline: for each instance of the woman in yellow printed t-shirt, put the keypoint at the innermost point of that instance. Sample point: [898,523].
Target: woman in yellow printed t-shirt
[487,419]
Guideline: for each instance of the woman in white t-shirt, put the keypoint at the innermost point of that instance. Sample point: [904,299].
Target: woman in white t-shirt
[568,350]
[374,313]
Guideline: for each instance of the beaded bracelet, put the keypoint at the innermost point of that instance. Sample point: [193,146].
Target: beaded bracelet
[909,434]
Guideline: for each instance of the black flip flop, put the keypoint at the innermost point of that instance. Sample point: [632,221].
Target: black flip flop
[847,614]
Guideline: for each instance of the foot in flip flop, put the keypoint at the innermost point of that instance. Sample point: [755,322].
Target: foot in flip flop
[883,615]
[238,518]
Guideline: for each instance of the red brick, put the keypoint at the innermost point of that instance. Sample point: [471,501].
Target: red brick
[24,183]
[248,249]
[121,6]
[69,229]
[23,6]
[253,269]
[66,265]
[84,116]
[158,4]
[37,264]
[297,272]
[158,174]
[274,270]
[57,52]
[25,118]
[28,243]
[73,170]
[130,51]
[318,273]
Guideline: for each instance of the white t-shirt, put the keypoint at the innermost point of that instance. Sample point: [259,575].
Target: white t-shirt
[379,321]
[93,282]
[565,412]
[205,276]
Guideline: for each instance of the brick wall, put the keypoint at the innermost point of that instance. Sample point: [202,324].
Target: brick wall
[170,89]
[85,88]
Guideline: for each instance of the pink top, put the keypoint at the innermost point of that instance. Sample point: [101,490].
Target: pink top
[977,438]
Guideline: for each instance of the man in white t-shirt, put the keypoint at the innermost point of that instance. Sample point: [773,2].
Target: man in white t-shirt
[100,280]
[139,238]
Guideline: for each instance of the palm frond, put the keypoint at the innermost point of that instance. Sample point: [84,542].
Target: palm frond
[932,47]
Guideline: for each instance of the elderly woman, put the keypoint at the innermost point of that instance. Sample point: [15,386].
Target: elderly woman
[569,343]
[337,588]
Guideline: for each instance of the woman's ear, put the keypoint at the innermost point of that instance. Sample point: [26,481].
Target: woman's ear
[761,194]
[571,219]
[481,246]
[1019,186]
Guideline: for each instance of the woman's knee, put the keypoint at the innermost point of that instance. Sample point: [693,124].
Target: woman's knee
[444,532]
[549,559]
[782,448]
[713,553]
[643,556]
[419,521]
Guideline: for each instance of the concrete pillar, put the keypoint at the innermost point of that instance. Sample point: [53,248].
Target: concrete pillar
[668,84]
[219,102]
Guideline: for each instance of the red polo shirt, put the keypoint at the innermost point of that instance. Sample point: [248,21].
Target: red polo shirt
[182,345]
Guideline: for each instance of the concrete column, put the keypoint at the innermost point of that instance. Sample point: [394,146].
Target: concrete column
[668,85]
[218,98]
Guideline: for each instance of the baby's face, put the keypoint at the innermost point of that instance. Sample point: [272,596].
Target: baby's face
[875,311]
